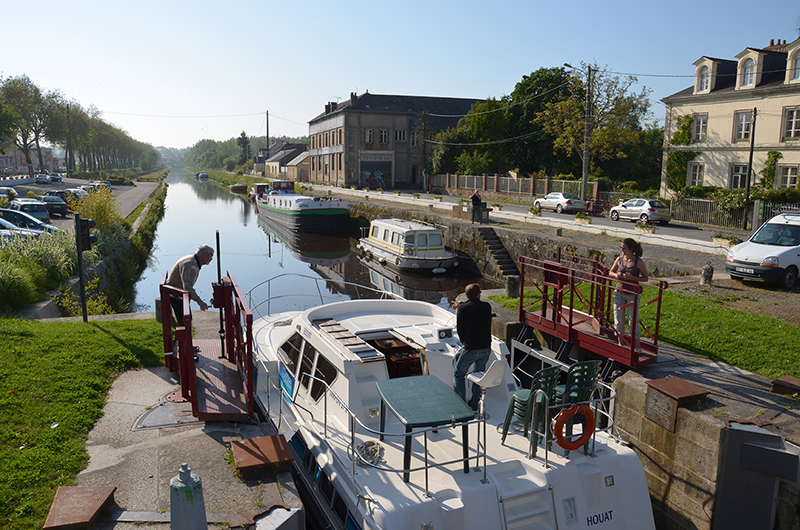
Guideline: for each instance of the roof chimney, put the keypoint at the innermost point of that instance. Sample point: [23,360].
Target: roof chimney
[353,100]
[772,42]
[328,107]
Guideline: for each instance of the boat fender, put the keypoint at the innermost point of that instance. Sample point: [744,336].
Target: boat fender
[316,199]
[562,418]
[397,261]
[369,452]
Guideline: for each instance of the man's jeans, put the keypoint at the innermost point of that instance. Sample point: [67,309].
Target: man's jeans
[466,358]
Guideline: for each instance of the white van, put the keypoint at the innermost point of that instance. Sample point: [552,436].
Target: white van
[772,254]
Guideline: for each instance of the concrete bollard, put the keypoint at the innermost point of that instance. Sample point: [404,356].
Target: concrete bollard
[706,274]
[512,286]
[558,232]
[158,309]
[187,507]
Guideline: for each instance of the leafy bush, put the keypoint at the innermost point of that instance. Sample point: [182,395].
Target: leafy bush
[17,285]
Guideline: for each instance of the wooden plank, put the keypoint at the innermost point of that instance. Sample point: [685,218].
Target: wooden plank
[220,395]
[261,451]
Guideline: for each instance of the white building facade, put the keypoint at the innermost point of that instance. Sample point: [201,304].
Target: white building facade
[755,97]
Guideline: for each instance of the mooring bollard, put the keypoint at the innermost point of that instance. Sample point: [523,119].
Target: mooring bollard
[187,507]
[706,274]
[512,286]
[158,309]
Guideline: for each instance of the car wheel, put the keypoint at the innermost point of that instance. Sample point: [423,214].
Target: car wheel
[736,278]
[559,209]
[789,278]
[537,206]
[643,218]
[615,216]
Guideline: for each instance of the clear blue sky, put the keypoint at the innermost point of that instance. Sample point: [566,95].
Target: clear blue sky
[174,72]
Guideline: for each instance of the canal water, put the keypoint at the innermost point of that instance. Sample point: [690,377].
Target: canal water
[254,250]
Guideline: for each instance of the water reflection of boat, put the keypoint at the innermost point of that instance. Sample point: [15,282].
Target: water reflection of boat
[316,249]
[408,245]
[409,285]
[299,213]
[238,188]
[363,390]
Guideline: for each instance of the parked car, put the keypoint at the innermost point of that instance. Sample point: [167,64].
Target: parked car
[55,205]
[9,230]
[55,177]
[32,207]
[648,210]
[23,220]
[560,202]
[8,192]
[771,254]
[101,183]
[42,179]
[79,193]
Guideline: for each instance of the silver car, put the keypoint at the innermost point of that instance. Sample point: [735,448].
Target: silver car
[560,202]
[649,210]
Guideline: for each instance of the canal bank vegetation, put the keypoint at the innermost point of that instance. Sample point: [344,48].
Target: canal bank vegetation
[29,268]
[54,379]
[702,325]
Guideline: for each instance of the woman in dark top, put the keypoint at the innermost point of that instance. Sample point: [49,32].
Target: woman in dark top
[629,269]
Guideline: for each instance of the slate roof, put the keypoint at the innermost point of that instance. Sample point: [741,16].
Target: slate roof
[442,112]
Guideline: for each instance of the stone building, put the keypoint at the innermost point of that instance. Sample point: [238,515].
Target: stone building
[754,96]
[379,141]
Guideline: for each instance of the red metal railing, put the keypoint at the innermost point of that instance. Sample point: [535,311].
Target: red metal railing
[238,332]
[576,306]
[181,344]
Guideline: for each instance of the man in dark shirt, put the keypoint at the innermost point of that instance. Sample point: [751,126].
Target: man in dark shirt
[474,325]
[476,207]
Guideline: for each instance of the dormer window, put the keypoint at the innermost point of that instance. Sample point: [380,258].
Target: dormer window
[748,72]
[795,65]
[703,83]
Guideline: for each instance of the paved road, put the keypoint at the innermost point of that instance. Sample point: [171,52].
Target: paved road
[128,197]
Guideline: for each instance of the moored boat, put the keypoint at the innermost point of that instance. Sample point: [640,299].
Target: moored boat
[363,390]
[299,213]
[201,176]
[408,245]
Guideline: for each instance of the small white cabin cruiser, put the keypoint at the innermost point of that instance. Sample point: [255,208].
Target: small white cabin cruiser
[364,391]
[408,245]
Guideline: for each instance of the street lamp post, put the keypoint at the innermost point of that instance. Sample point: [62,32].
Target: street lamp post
[587,130]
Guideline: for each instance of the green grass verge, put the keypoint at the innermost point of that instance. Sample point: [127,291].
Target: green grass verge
[54,378]
[702,325]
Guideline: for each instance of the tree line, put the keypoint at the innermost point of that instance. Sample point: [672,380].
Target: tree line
[31,116]
[234,154]
[539,129]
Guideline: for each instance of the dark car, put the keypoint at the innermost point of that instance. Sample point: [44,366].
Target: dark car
[23,220]
[55,205]
[55,177]
[32,207]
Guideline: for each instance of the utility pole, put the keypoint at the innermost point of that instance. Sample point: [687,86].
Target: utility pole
[749,170]
[267,134]
[586,133]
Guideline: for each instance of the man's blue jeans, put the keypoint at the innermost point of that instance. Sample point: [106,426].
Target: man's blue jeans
[466,358]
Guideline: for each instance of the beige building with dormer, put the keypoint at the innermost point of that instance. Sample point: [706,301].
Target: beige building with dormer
[758,92]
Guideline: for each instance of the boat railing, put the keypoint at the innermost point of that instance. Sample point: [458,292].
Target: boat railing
[356,423]
[324,291]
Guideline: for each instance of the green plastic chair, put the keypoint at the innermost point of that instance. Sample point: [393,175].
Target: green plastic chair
[581,383]
[522,402]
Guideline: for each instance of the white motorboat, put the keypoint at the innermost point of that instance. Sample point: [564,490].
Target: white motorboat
[408,245]
[363,391]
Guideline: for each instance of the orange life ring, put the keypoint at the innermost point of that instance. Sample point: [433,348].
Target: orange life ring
[562,418]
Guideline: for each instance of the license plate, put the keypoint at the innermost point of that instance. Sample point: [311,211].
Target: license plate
[744,269]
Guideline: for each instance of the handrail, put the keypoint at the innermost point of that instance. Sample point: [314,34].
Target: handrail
[320,298]
[355,420]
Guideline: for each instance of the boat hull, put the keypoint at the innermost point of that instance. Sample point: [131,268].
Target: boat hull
[328,221]
[435,265]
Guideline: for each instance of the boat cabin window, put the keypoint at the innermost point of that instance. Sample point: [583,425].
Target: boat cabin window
[307,364]
[395,239]
[325,371]
[339,507]
[410,238]
[291,350]
[435,240]
[374,232]
[422,240]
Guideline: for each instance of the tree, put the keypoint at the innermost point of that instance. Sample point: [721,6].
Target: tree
[24,98]
[615,118]
[532,150]
[244,144]
[8,123]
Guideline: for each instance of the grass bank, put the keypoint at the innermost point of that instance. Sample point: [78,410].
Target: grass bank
[54,378]
[703,325]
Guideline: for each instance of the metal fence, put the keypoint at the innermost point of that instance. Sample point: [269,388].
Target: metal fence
[705,212]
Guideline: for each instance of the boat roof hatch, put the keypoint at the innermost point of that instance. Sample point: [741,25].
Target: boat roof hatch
[354,344]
